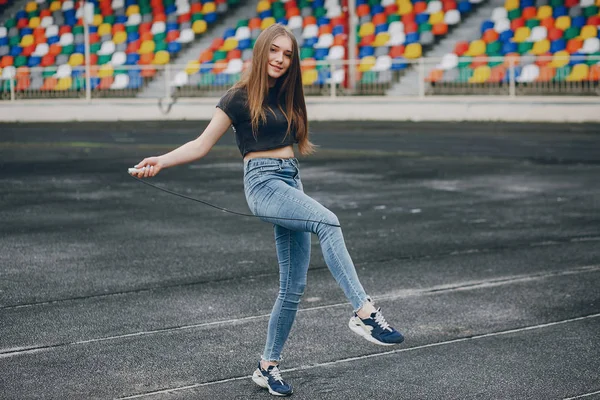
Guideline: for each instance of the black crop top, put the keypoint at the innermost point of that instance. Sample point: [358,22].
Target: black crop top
[270,135]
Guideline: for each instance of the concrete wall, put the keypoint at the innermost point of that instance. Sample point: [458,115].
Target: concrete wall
[439,108]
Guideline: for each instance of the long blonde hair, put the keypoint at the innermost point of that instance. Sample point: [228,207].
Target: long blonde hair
[256,82]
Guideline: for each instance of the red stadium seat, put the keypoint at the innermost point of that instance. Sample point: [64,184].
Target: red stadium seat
[546,74]
[440,29]
[397,51]
[594,73]
[461,47]
[234,54]
[490,35]
[23,83]
[148,72]
[47,60]
[206,56]
[49,83]
[497,74]
[105,83]
[548,23]
[419,7]
[435,75]
[529,12]
[574,44]
[517,23]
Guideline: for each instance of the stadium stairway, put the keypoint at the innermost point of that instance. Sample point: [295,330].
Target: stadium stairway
[12,10]
[469,28]
[156,88]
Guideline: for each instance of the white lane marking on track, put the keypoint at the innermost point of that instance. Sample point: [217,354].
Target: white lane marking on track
[385,353]
[5,353]
[150,289]
[582,395]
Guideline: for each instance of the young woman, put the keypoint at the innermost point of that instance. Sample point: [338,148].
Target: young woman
[268,114]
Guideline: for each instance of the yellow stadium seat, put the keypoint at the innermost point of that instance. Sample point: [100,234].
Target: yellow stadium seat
[76,59]
[563,22]
[267,22]
[55,6]
[541,47]
[147,46]
[105,70]
[544,12]
[511,4]
[229,44]
[120,37]
[199,26]
[34,22]
[263,5]
[366,63]
[192,67]
[560,59]
[31,6]
[588,31]
[209,7]
[64,83]
[132,9]
[161,57]
[413,50]
[27,40]
[381,39]
[476,48]
[97,20]
[436,18]
[368,28]
[309,76]
[579,73]
[481,74]
[405,8]
[521,34]
[104,29]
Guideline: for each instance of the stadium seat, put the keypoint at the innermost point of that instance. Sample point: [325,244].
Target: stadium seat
[449,61]
[578,73]
[309,77]
[481,74]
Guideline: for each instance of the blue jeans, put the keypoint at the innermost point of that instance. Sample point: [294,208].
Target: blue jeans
[273,189]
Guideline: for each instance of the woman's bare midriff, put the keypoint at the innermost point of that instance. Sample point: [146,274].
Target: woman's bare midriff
[283,152]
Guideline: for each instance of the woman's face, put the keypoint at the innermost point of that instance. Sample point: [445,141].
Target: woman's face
[280,56]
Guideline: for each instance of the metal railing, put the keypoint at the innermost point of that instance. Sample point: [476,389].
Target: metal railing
[576,75]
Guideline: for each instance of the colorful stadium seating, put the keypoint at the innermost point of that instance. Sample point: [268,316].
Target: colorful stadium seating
[123,34]
[543,40]
[388,33]
[311,22]
[394,31]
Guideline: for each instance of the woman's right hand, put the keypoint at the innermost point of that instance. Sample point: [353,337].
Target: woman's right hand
[152,166]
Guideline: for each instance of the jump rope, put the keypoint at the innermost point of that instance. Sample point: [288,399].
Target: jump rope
[206,203]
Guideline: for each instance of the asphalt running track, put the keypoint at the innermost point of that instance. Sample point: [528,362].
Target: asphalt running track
[480,241]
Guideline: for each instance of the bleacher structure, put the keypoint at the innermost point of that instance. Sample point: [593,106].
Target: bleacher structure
[534,42]
[529,44]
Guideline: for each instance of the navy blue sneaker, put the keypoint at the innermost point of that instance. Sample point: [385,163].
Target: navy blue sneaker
[375,329]
[271,379]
